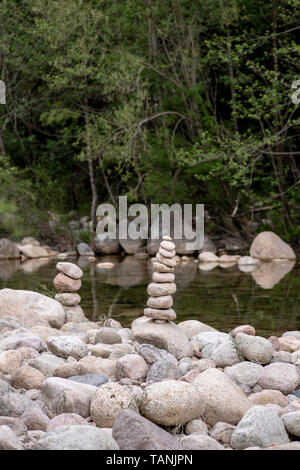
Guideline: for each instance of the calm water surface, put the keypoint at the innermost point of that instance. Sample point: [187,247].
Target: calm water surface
[268,297]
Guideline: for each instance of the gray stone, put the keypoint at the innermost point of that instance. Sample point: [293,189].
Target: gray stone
[107,402]
[260,427]
[32,251]
[196,426]
[132,366]
[163,370]
[47,363]
[85,250]
[9,440]
[222,432]
[291,422]
[107,335]
[68,298]
[23,340]
[280,376]
[151,354]
[90,379]
[254,348]
[218,347]
[31,308]
[8,249]
[14,404]
[224,400]
[70,269]
[65,346]
[67,396]
[35,419]
[166,336]
[171,403]
[200,442]
[15,424]
[268,245]
[76,437]
[134,432]
[194,327]
[157,289]
[244,373]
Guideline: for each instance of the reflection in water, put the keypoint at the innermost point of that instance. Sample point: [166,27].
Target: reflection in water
[267,275]
[223,298]
[136,268]
[207,266]
[8,268]
[32,265]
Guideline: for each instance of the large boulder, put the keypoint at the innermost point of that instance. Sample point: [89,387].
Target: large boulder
[218,347]
[171,403]
[260,427]
[76,437]
[67,396]
[33,251]
[224,400]
[31,308]
[166,336]
[8,249]
[267,246]
[134,432]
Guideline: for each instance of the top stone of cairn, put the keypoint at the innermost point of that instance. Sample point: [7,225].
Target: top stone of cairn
[163,287]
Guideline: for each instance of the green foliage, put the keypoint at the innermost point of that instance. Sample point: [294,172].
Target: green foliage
[166,101]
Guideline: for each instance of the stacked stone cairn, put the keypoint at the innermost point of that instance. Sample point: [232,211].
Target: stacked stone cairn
[163,287]
[68,282]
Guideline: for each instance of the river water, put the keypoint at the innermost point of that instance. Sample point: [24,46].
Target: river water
[268,297]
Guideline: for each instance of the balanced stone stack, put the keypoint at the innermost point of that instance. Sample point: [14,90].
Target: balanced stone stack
[163,287]
[68,282]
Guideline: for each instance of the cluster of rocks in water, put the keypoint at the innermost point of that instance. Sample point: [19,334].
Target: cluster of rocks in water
[70,383]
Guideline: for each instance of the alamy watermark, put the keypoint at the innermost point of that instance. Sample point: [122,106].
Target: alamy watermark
[296,94]
[2,92]
[140,222]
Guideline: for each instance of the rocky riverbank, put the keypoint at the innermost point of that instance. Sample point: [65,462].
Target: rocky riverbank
[70,383]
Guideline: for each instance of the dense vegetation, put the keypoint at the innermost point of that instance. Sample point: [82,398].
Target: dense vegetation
[162,101]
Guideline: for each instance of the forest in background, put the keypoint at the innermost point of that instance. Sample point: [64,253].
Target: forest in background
[164,101]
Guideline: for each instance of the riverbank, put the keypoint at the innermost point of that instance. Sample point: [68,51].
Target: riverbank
[187,386]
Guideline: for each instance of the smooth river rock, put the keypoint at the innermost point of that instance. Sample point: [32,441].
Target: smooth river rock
[134,432]
[218,347]
[224,400]
[171,403]
[76,437]
[65,346]
[268,246]
[31,308]
[260,427]
[108,401]
[254,348]
[166,336]
[280,376]
[67,396]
